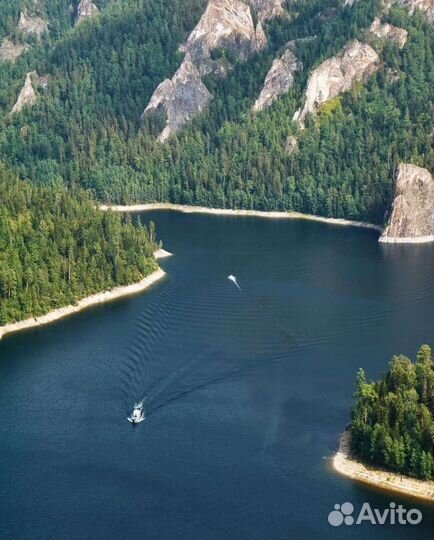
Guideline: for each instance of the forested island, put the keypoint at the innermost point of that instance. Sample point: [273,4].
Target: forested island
[391,438]
[393,418]
[56,248]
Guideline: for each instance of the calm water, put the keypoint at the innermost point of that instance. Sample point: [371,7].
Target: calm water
[246,392]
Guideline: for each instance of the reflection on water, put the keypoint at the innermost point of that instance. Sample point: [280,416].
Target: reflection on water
[245,392]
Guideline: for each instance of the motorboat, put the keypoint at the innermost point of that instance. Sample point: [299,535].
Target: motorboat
[138,414]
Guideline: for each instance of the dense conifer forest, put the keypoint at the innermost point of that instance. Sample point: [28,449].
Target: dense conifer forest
[56,248]
[393,418]
[86,128]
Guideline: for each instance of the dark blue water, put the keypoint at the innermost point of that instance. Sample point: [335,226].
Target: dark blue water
[246,393]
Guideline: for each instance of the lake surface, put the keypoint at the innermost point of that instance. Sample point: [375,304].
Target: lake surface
[246,392]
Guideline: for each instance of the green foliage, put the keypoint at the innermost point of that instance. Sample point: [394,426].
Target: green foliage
[86,128]
[56,248]
[393,419]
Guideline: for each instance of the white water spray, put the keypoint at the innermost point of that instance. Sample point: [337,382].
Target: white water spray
[234,280]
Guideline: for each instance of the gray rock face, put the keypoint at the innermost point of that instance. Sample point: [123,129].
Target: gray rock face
[32,24]
[269,9]
[387,31]
[85,9]
[27,96]
[426,6]
[226,24]
[356,62]
[10,51]
[180,98]
[279,79]
[412,216]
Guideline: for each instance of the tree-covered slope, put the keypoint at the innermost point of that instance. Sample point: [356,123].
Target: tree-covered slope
[56,248]
[86,128]
[393,418]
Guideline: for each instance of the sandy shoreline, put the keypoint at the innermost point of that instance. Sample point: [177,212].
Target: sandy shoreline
[404,485]
[84,303]
[187,209]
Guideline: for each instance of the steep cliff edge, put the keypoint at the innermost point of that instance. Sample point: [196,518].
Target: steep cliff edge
[85,9]
[279,79]
[412,215]
[179,99]
[28,95]
[225,24]
[356,62]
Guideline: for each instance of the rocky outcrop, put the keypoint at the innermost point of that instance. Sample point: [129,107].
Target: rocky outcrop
[356,62]
[387,31]
[28,95]
[269,9]
[226,24]
[85,9]
[180,98]
[32,25]
[412,216]
[10,51]
[279,79]
[425,6]
[291,146]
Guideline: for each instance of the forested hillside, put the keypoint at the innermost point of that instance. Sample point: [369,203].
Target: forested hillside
[56,248]
[393,419]
[86,127]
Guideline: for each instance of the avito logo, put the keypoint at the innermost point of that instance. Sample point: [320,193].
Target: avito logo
[395,514]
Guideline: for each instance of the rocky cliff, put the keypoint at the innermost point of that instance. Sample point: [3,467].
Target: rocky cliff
[425,6]
[180,98]
[10,51]
[387,31]
[32,24]
[412,216]
[269,9]
[85,9]
[279,79]
[28,95]
[356,62]
[226,24]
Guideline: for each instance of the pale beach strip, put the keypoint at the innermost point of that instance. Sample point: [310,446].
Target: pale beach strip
[406,239]
[89,301]
[187,209]
[344,464]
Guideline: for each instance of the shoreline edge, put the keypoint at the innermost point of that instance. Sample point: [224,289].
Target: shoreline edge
[189,209]
[347,466]
[88,301]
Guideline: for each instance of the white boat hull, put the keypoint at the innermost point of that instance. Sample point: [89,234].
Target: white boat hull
[136,421]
